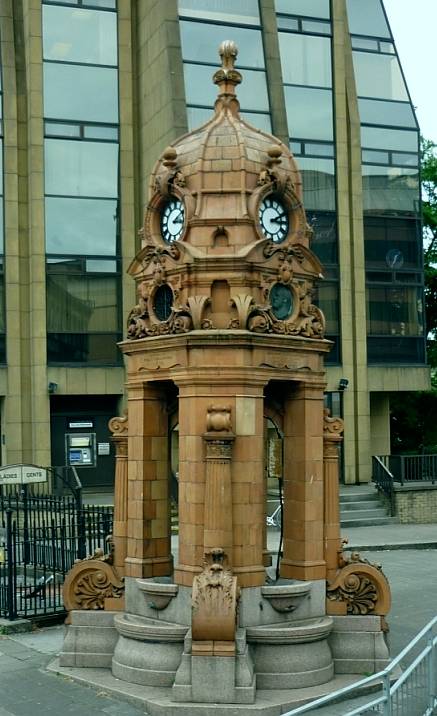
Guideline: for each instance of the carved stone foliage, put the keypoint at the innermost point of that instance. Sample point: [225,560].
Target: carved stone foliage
[361,586]
[90,581]
[214,600]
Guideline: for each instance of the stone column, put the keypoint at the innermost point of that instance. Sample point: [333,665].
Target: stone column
[119,428]
[303,555]
[218,481]
[332,437]
[198,473]
[148,518]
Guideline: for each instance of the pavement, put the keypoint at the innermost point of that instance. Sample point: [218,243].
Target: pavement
[407,553]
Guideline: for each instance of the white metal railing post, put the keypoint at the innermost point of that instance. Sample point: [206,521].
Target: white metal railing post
[386,689]
[432,666]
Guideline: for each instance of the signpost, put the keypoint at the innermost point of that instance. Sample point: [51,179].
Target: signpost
[22,474]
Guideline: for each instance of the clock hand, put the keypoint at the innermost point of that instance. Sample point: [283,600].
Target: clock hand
[278,219]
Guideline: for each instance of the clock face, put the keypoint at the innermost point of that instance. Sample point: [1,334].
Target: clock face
[273,217]
[172,220]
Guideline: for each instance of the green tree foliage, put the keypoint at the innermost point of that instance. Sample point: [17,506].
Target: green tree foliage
[429,214]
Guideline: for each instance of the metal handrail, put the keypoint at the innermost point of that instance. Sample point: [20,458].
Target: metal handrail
[383,478]
[382,676]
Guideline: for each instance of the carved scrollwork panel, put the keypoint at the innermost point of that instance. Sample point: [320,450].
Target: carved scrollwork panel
[363,587]
[89,582]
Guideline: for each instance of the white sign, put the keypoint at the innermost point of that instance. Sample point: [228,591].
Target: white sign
[22,474]
[81,424]
[103,448]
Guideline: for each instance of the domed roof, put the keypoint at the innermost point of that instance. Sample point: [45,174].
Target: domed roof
[222,162]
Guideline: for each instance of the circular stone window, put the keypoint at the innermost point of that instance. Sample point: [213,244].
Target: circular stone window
[281,299]
[162,303]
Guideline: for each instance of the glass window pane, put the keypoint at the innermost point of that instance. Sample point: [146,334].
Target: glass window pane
[324,241]
[367,18]
[390,189]
[92,349]
[242,12]
[79,35]
[305,60]
[287,23]
[378,138]
[379,76]
[199,89]
[375,111]
[100,266]
[392,244]
[371,155]
[296,147]
[394,310]
[318,178]
[60,129]
[81,303]
[76,168]
[1,227]
[70,93]
[310,8]
[93,132]
[200,43]
[324,28]
[309,113]
[387,47]
[327,298]
[363,43]
[321,150]
[81,226]
[405,160]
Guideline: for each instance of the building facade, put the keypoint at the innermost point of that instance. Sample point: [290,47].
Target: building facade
[92,91]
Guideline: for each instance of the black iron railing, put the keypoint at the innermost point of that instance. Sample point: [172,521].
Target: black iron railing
[408,469]
[383,480]
[40,539]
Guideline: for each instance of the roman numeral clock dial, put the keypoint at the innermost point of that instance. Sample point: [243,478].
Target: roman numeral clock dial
[273,218]
[172,220]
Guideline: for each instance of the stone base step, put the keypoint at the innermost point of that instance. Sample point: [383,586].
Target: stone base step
[372,522]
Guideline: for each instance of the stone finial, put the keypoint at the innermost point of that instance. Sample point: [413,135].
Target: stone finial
[169,157]
[228,52]
[227,77]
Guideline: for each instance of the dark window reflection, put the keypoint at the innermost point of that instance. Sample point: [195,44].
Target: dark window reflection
[384,236]
[81,303]
[76,168]
[324,241]
[81,226]
[79,35]
[395,350]
[394,310]
[98,348]
[80,92]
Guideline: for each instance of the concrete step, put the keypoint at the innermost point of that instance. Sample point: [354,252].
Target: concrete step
[373,522]
[358,496]
[366,514]
[360,505]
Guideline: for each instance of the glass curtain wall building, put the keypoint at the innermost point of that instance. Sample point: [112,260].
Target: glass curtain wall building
[93,91]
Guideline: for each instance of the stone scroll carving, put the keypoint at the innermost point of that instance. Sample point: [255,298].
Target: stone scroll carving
[91,581]
[360,587]
[214,600]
